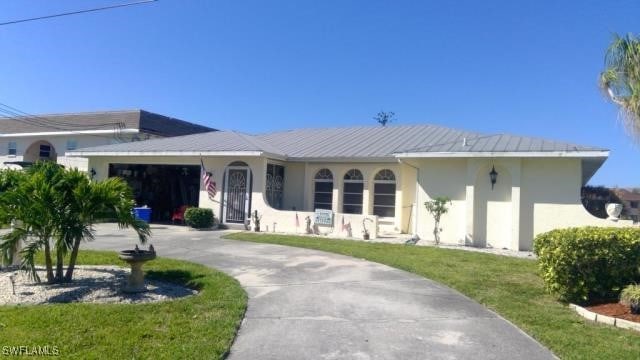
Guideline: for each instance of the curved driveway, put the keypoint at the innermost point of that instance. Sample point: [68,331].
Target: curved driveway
[307,304]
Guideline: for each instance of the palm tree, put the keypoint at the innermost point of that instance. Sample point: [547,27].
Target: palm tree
[621,79]
[90,202]
[57,209]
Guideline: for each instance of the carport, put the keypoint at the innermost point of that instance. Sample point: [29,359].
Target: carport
[163,188]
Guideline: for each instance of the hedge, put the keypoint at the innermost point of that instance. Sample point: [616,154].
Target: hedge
[199,218]
[589,263]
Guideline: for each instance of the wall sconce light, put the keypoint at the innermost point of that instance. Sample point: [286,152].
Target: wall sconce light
[493,176]
[92,172]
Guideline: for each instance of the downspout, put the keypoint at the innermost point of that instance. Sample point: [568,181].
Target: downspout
[415,201]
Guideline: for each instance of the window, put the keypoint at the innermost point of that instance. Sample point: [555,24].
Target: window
[72,144]
[323,190]
[634,204]
[13,148]
[275,186]
[384,194]
[45,151]
[352,193]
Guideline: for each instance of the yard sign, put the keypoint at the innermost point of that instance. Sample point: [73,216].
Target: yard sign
[323,217]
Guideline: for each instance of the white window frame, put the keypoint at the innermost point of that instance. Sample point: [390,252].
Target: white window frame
[323,180]
[379,181]
[12,148]
[72,144]
[351,180]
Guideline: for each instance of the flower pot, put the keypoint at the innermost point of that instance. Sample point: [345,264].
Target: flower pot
[365,236]
[613,210]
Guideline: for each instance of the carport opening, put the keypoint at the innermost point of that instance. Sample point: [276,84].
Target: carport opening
[163,188]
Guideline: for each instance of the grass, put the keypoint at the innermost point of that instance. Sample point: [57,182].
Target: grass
[201,326]
[508,286]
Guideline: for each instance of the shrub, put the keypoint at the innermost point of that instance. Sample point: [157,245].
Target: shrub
[583,264]
[630,295]
[199,218]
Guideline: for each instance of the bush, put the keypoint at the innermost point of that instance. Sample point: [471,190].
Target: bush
[199,218]
[589,263]
[630,295]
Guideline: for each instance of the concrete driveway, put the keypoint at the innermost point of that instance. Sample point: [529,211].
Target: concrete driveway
[307,304]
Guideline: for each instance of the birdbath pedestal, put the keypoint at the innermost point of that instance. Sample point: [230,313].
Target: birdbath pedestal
[136,258]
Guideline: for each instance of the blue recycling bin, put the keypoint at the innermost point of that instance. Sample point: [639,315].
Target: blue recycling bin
[142,213]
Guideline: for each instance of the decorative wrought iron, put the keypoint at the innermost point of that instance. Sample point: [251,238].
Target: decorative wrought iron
[236,195]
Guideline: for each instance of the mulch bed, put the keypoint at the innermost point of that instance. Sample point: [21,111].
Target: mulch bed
[616,310]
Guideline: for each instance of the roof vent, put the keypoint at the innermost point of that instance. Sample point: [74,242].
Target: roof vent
[464,141]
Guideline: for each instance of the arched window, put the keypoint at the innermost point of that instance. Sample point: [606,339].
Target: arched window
[323,190]
[384,194]
[352,193]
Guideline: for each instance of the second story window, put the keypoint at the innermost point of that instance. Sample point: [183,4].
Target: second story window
[72,144]
[13,148]
[45,151]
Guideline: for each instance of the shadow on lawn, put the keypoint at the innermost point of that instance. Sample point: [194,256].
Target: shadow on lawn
[181,277]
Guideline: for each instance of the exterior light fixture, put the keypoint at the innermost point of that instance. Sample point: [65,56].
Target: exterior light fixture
[92,172]
[493,176]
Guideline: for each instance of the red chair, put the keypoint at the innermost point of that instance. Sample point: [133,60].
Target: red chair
[178,214]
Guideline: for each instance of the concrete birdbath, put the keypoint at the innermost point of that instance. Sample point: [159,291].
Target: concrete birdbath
[136,258]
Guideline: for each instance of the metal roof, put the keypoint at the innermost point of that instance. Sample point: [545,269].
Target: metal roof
[142,120]
[216,141]
[362,142]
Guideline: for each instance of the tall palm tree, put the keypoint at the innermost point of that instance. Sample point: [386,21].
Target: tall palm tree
[621,79]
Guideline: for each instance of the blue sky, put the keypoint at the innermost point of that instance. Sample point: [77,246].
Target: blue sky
[521,67]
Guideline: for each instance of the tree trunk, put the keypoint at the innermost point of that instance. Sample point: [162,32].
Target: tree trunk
[72,260]
[48,262]
[59,266]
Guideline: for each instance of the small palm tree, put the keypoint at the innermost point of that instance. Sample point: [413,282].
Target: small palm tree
[621,79]
[57,209]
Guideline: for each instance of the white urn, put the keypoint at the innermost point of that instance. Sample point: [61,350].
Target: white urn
[614,210]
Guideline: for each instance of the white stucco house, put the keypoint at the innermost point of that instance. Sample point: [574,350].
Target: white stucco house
[26,139]
[379,176]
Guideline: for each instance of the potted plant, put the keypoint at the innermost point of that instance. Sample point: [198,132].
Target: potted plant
[630,296]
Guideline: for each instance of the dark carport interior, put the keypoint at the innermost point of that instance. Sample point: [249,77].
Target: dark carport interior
[163,188]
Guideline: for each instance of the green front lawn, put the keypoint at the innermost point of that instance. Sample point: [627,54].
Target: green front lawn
[201,326]
[509,286]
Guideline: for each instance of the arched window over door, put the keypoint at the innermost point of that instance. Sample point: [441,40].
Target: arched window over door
[323,190]
[384,194]
[352,193]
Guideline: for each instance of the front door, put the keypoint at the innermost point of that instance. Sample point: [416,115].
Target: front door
[237,195]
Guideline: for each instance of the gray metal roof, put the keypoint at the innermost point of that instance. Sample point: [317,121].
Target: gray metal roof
[364,142]
[144,121]
[217,141]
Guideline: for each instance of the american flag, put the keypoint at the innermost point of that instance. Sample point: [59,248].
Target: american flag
[209,184]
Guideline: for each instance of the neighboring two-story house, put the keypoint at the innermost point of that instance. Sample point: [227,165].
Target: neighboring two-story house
[26,139]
